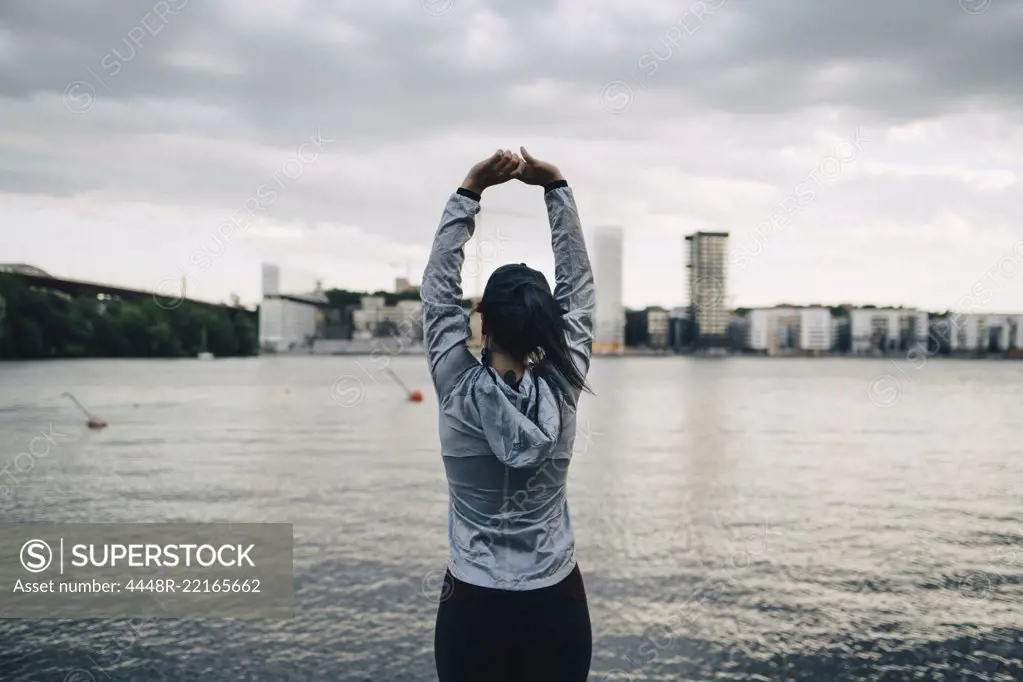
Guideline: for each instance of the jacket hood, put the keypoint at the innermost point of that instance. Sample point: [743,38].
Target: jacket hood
[522,425]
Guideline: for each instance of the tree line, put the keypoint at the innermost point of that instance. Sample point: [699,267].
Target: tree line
[42,323]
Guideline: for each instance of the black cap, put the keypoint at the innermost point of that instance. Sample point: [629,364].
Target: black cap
[507,279]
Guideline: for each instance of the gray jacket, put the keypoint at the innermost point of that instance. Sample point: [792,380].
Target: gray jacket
[508,522]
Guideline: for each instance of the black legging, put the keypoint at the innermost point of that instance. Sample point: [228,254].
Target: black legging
[486,635]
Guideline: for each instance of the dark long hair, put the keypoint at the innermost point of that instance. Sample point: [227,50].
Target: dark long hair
[523,319]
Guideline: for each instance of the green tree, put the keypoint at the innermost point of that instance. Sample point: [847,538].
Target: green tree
[39,323]
[245,332]
[29,339]
[220,334]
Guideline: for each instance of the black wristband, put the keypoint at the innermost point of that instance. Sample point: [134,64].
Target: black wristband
[468,193]
[557,184]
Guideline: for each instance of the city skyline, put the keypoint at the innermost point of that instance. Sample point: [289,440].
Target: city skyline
[297,322]
[304,283]
[849,163]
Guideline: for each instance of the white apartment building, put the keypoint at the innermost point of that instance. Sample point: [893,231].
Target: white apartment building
[887,329]
[983,332]
[789,328]
[816,332]
[658,327]
[609,323]
[285,324]
[767,327]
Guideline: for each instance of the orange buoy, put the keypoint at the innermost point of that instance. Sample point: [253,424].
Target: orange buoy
[414,395]
[92,421]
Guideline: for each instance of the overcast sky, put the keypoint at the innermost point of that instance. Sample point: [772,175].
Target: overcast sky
[864,152]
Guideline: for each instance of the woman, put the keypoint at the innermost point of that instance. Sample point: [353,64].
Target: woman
[513,605]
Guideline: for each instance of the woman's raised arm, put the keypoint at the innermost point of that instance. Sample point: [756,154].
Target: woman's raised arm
[445,322]
[573,275]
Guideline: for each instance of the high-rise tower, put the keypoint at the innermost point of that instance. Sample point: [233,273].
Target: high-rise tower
[707,260]
[609,325]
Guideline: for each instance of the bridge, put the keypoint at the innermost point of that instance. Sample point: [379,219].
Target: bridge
[35,277]
[299,298]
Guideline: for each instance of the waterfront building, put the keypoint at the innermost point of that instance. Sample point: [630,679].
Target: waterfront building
[658,327]
[679,328]
[774,330]
[288,321]
[790,328]
[286,324]
[882,330]
[815,329]
[374,319]
[706,260]
[841,334]
[609,322]
[982,332]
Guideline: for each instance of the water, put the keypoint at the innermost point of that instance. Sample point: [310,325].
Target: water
[738,519]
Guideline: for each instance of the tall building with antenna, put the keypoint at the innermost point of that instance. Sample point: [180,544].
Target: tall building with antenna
[609,325]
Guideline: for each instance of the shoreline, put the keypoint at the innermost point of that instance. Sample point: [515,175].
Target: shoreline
[627,354]
[643,354]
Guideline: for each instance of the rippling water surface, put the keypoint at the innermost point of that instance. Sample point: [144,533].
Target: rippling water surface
[738,519]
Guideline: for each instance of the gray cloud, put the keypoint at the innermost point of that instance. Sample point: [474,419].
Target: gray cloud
[189,105]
